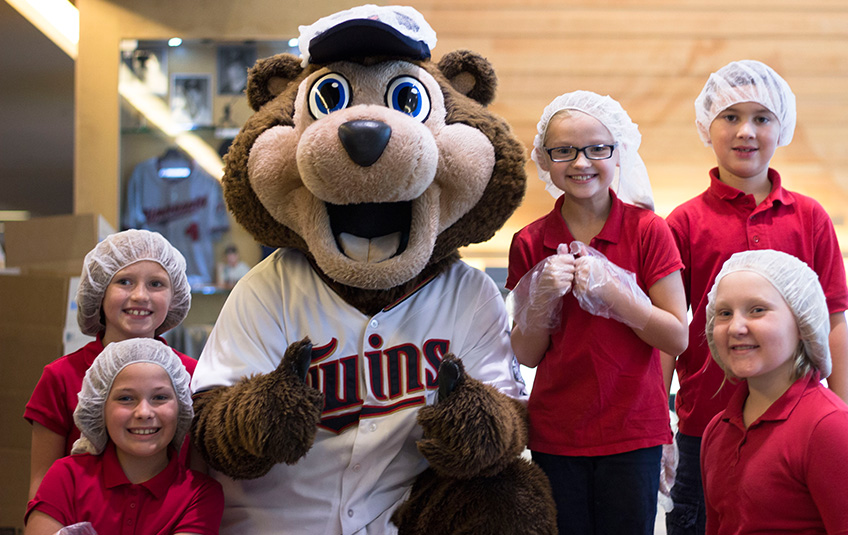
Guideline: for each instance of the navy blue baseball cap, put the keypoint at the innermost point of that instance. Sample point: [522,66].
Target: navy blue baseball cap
[367,30]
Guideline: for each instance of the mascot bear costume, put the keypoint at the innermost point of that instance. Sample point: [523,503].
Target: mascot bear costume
[360,380]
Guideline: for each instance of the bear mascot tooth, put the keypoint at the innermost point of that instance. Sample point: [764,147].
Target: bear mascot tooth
[359,380]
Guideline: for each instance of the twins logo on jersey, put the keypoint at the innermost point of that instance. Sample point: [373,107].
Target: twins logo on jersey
[397,379]
[171,212]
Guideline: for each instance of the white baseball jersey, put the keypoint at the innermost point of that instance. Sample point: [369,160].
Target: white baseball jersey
[375,373]
[190,212]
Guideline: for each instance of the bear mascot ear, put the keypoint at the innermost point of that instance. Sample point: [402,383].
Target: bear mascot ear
[470,74]
[269,77]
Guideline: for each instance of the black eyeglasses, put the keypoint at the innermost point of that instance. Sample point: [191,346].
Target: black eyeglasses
[592,152]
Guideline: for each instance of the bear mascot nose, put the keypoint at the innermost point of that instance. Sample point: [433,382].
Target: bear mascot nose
[365,140]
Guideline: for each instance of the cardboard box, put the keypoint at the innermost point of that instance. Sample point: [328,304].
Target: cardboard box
[14,465]
[41,299]
[37,324]
[53,244]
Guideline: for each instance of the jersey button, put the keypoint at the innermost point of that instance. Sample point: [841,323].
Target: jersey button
[372,427]
[756,239]
[374,324]
[350,513]
[357,467]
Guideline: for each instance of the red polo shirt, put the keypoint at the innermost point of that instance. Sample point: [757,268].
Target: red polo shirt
[599,389]
[708,230]
[786,473]
[54,398]
[93,488]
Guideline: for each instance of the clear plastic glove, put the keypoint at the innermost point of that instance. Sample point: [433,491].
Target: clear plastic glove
[668,468]
[83,528]
[536,301]
[607,290]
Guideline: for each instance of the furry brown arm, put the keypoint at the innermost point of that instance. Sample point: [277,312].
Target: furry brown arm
[477,482]
[473,430]
[245,429]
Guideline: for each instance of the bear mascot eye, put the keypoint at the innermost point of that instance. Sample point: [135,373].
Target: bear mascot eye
[408,95]
[329,93]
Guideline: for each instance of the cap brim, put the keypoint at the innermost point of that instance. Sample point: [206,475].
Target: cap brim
[360,38]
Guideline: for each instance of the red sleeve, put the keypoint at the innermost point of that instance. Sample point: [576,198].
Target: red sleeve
[827,471]
[661,255]
[204,513]
[519,261]
[829,265]
[55,495]
[47,405]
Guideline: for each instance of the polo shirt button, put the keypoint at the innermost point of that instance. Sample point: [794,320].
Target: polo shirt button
[132,506]
[350,513]
[372,427]
[374,324]
[756,239]
[357,467]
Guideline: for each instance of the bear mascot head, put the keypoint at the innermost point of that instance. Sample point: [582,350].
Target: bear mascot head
[368,166]
[375,162]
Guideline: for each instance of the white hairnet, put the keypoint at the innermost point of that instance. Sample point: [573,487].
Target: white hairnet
[799,285]
[746,81]
[633,184]
[115,253]
[89,414]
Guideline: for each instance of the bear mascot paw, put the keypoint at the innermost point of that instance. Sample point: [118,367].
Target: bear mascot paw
[476,482]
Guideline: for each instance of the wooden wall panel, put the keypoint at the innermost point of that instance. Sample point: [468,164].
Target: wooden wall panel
[636,22]
[654,56]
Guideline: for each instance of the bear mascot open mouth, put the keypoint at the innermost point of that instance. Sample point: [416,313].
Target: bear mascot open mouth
[378,167]
[360,379]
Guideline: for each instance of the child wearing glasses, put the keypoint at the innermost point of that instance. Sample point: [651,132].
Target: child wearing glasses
[745,111]
[596,287]
[774,459]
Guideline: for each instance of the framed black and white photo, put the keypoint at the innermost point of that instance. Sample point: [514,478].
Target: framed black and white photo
[191,100]
[233,62]
[150,66]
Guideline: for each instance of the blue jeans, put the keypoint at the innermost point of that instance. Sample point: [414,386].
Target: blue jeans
[688,516]
[610,494]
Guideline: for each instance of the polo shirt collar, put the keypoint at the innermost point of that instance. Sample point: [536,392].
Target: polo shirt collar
[725,192]
[113,474]
[779,410]
[777,193]
[556,231]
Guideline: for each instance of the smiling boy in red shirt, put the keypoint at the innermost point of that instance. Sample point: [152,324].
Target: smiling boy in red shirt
[745,111]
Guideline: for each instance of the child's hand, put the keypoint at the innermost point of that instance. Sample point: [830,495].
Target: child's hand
[536,301]
[556,276]
[594,283]
[82,528]
[607,290]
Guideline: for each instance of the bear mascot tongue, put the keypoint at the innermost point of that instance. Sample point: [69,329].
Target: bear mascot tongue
[360,378]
